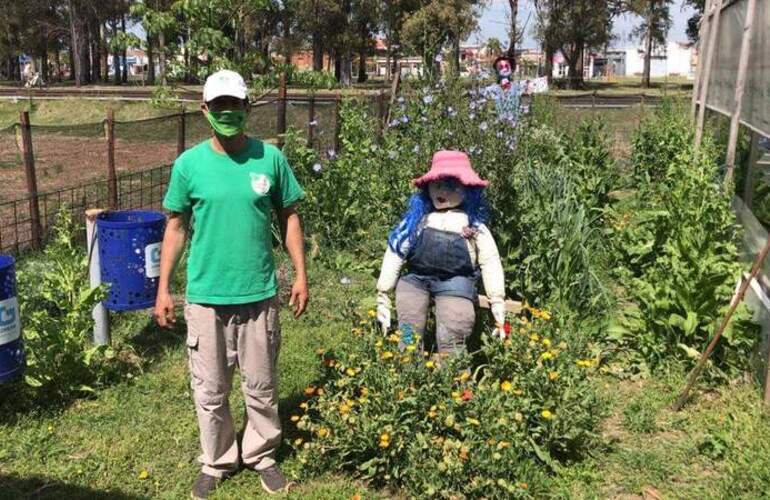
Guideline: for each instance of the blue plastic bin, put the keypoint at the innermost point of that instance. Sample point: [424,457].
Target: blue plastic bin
[12,361]
[129,255]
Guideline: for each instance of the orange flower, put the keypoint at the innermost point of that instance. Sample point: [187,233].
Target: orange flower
[309,390]
[467,395]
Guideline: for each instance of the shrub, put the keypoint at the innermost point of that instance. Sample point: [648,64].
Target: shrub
[452,427]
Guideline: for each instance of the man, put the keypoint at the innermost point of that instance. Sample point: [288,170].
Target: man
[230,185]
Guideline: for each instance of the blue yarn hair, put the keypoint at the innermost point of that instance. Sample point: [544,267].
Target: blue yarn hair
[407,230]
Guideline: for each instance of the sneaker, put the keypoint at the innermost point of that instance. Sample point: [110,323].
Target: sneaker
[204,485]
[273,480]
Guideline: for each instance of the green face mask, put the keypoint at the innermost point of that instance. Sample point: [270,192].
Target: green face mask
[227,123]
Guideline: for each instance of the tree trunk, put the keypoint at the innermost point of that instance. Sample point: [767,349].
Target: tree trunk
[648,46]
[455,62]
[125,53]
[57,63]
[511,52]
[96,51]
[318,53]
[150,60]
[104,52]
[162,57]
[115,54]
[44,55]
[71,55]
[76,38]
[549,54]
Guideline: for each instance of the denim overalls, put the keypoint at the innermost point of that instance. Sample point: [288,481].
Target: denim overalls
[439,267]
[440,263]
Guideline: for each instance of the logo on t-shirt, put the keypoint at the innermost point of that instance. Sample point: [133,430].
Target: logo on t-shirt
[260,183]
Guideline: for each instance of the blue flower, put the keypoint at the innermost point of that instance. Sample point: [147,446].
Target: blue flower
[345,281]
[483,126]
[317,168]
[428,99]
[404,119]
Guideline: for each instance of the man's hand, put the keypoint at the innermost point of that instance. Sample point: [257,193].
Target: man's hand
[299,297]
[164,310]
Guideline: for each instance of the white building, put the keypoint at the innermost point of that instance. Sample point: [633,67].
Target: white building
[672,59]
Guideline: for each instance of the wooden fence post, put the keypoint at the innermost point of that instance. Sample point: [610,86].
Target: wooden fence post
[29,171]
[713,33]
[311,121]
[281,119]
[112,178]
[381,111]
[180,136]
[740,85]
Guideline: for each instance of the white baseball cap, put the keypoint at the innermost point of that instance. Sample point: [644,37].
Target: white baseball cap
[224,82]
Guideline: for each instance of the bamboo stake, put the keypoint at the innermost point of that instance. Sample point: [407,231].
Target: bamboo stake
[736,300]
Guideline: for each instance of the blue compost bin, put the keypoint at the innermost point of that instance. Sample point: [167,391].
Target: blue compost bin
[129,256]
[12,361]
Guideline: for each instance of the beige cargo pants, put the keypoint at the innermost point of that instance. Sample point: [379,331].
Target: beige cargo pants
[218,339]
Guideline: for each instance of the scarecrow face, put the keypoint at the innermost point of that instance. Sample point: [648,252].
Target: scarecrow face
[504,68]
[446,193]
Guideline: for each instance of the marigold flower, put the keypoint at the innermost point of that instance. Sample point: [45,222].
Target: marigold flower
[547,342]
[467,395]
[430,365]
[309,390]
[473,421]
[553,375]
[393,338]
[323,432]
[506,386]
[350,372]
[372,313]
[387,355]
[546,414]
[464,376]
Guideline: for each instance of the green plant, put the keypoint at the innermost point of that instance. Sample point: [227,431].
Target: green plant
[442,427]
[677,240]
[56,301]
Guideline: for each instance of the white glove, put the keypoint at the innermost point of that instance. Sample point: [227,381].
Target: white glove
[498,312]
[383,311]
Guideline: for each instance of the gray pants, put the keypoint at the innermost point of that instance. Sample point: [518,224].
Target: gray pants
[455,316]
[218,339]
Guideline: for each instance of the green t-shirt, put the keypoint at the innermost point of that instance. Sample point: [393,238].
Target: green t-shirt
[231,199]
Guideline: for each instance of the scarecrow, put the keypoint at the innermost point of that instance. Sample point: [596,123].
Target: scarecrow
[445,246]
[506,92]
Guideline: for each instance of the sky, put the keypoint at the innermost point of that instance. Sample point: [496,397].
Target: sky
[494,23]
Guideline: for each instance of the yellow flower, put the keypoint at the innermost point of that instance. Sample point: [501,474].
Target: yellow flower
[518,416]
[432,414]
[430,365]
[547,342]
[144,474]
[298,442]
[295,418]
[546,414]
[553,375]
[344,409]
[455,394]
[319,391]
[400,396]
[518,392]
[384,444]
[506,386]
[546,356]
[534,337]
[384,436]
[473,421]
[320,351]
[387,355]
[350,372]
[309,390]
[464,376]
[372,313]
[303,406]
[363,401]
[323,432]
[393,338]
[411,348]
[503,445]
[378,344]
[364,391]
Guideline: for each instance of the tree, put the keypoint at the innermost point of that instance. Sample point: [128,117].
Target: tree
[513,28]
[573,26]
[653,30]
[494,47]
[693,24]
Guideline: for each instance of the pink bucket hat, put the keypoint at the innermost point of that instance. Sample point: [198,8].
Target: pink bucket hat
[452,164]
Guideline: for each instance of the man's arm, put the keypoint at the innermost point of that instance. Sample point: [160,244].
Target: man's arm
[170,250]
[295,245]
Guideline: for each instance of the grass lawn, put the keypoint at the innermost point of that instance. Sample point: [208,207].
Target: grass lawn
[138,439]
[675,86]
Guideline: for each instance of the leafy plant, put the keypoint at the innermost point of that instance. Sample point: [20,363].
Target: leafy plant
[56,304]
[447,427]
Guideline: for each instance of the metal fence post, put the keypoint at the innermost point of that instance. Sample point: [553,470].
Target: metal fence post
[311,121]
[180,136]
[281,118]
[100,315]
[112,178]
[29,171]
